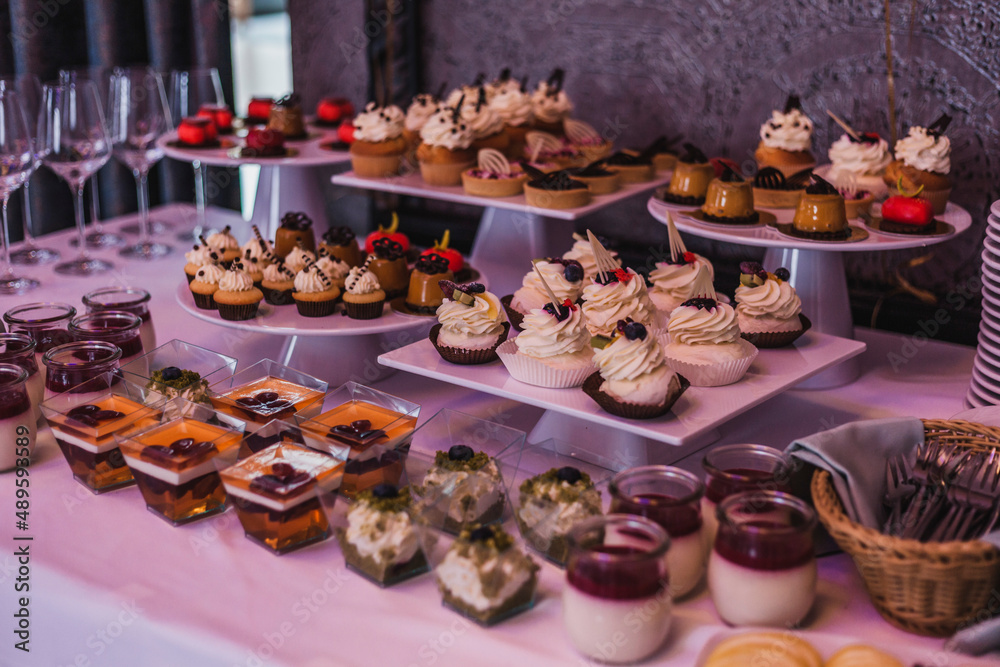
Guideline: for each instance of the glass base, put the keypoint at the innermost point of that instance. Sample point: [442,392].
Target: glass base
[101,240]
[146,251]
[156,228]
[33,255]
[15,285]
[83,267]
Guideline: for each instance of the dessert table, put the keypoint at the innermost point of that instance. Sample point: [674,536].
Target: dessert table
[111,584]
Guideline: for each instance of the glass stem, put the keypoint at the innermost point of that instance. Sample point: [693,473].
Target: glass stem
[80,221]
[199,193]
[95,206]
[29,240]
[6,270]
[142,195]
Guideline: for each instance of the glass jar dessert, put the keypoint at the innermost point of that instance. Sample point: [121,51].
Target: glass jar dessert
[84,367]
[129,299]
[46,322]
[616,572]
[19,349]
[733,469]
[17,420]
[672,498]
[112,326]
[762,570]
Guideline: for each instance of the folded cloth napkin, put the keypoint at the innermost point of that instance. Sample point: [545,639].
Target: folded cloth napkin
[855,456]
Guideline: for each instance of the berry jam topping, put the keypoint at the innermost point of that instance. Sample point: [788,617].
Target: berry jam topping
[618,578]
[678,518]
[625,159]
[481,534]
[460,453]
[289,100]
[386,248]
[793,102]
[820,187]
[184,448]
[616,276]
[281,481]
[170,373]
[563,310]
[339,236]
[782,274]
[592,170]
[692,155]
[296,221]
[558,181]
[359,432]
[763,544]
[940,126]
[631,330]
[568,474]
[385,491]
[700,303]
[431,263]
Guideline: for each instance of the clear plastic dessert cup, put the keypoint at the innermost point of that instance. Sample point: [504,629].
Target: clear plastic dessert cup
[266,391]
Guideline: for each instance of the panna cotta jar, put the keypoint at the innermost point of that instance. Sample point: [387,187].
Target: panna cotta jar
[616,602]
[129,299]
[112,326]
[672,498]
[733,469]
[19,349]
[81,367]
[762,570]
[46,322]
[17,422]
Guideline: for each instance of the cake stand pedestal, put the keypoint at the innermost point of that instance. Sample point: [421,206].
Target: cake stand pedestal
[816,267]
[510,232]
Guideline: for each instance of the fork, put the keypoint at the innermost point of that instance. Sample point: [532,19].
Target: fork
[962,509]
[899,487]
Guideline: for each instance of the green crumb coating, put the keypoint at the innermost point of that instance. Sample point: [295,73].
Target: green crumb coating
[479,460]
[482,550]
[568,493]
[186,379]
[398,504]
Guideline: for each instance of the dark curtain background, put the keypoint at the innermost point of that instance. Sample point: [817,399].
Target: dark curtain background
[44,36]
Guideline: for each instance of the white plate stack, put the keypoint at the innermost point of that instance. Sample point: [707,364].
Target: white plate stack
[985,387]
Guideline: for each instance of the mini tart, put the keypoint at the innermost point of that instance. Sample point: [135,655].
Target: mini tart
[236,306]
[371,159]
[689,183]
[556,190]
[664,161]
[730,201]
[857,207]
[821,216]
[442,166]
[787,162]
[497,186]
[632,173]
[468,357]
[598,184]
[595,151]
[937,187]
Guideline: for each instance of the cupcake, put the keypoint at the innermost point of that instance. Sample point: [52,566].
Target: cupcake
[379,145]
[768,308]
[363,297]
[553,349]
[445,150]
[419,112]
[226,245]
[260,249]
[315,294]
[620,295]
[205,285]
[294,231]
[252,264]
[515,108]
[633,380]
[388,263]
[705,345]
[332,268]
[237,298]
[424,293]
[857,164]
[549,104]
[674,281]
[583,253]
[298,258]
[486,124]
[786,140]
[341,242]
[493,176]
[199,256]
[563,279]
[277,284]
[923,159]
[470,325]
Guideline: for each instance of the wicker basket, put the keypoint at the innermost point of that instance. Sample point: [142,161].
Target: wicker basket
[930,589]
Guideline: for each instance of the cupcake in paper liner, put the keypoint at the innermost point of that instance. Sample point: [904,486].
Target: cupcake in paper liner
[705,344]
[563,277]
[315,294]
[632,379]
[471,324]
[513,316]
[363,297]
[768,311]
[553,350]
[237,299]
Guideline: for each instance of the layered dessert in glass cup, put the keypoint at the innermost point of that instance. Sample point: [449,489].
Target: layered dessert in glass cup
[87,368]
[267,391]
[129,299]
[113,326]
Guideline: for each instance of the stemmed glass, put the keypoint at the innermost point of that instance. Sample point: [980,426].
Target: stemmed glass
[29,89]
[75,144]
[189,90]
[100,77]
[139,117]
[17,161]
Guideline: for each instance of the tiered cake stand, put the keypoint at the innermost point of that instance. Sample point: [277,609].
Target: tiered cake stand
[510,232]
[817,267]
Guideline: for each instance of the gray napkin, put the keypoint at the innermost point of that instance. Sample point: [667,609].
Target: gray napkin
[855,456]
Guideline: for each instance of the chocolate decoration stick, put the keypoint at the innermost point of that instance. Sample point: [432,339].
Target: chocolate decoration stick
[677,248]
[847,128]
[548,290]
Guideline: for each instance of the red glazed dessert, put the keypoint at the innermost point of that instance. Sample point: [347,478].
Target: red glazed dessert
[220,114]
[455,260]
[198,131]
[332,110]
[907,213]
[391,232]
[346,132]
[264,142]
[259,111]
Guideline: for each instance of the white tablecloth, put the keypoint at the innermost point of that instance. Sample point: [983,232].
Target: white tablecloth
[114,585]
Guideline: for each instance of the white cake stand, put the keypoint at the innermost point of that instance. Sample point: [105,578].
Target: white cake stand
[290,183]
[816,267]
[510,232]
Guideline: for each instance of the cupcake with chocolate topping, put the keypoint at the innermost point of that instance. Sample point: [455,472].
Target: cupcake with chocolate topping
[315,295]
[258,248]
[689,182]
[423,106]
[237,298]
[424,294]
[550,105]
[445,150]
[226,245]
[298,258]
[556,190]
[768,308]
[786,140]
[471,324]
[619,295]
[379,145]
[363,296]
[199,256]
[341,242]
[553,349]
[277,283]
[332,268]
[486,124]
[923,160]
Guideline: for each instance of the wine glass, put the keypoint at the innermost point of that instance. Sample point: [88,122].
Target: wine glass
[189,90]
[75,144]
[29,89]
[17,161]
[139,117]
[101,78]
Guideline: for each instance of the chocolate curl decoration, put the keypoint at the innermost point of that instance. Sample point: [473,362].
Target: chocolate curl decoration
[482,98]
[504,75]
[847,128]
[478,81]
[556,81]
[940,126]
[524,83]
[793,102]
[548,290]
[605,262]
[456,112]
[677,248]
[703,286]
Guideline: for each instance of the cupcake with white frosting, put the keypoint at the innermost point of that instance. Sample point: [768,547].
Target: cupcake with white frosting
[553,349]
[205,284]
[858,164]
[786,140]
[485,122]
[200,255]
[446,149]
[333,268]
[768,308]
[674,281]
[633,380]
[564,277]
[514,105]
[418,113]
[277,284]
[583,252]
[379,145]
[471,324]
[550,105]
[226,245]
[363,297]
[258,249]
[923,164]
[621,295]
[315,294]
[299,258]
[237,298]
